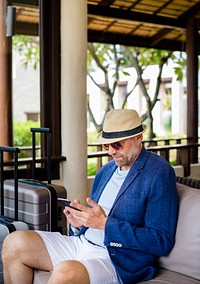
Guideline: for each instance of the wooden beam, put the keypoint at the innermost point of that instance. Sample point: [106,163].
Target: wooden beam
[106,2]
[27,3]
[159,36]
[192,11]
[130,40]
[22,28]
[113,13]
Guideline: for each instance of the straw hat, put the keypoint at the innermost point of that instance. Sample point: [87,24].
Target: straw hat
[120,124]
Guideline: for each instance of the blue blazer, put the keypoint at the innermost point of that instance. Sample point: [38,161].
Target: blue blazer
[141,224]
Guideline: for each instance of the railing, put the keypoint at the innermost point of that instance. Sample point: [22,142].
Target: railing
[166,141]
[183,154]
[176,154]
[150,142]
[28,150]
[25,168]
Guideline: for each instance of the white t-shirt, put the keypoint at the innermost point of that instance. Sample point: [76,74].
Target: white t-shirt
[106,201]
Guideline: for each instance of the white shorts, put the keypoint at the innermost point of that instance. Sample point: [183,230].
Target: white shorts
[95,258]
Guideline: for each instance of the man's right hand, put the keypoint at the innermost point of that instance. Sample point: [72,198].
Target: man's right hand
[71,217]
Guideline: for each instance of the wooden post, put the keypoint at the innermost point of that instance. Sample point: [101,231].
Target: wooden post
[50,65]
[192,85]
[6,137]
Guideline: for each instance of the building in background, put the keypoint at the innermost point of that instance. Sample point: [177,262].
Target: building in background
[26,91]
[169,112]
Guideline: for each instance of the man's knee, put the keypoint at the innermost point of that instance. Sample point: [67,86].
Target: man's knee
[70,271]
[11,243]
[14,244]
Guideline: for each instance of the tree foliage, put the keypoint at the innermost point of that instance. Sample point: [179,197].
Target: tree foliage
[23,136]
[28,48]
[114,59]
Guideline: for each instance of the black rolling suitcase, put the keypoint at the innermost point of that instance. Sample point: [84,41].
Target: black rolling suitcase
[38,205]
[8,225]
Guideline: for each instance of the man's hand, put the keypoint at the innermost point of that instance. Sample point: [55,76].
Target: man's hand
[70,217]
[93,217]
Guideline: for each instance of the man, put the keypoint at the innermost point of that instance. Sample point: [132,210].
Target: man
[129,223]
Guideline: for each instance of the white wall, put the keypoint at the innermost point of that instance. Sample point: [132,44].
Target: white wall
[26,89]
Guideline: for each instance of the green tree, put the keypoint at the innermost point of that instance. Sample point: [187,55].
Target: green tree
[140,59]
[28,48]
[23,136]
[106,58]
[114,59]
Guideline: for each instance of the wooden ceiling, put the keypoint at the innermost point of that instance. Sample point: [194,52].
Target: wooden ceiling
[145,23]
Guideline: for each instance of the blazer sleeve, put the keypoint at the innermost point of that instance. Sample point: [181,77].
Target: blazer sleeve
[155,234]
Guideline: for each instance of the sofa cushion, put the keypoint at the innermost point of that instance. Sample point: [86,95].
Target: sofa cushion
[41,276]
[185,255]
[165,276]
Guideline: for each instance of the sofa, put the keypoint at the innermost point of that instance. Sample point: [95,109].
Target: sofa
[182,265]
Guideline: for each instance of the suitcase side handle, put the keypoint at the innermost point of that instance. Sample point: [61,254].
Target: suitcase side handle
[15,151]
[33,181]
[48,132]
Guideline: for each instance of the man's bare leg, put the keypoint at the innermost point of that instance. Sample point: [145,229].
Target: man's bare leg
[22,251]
[69,272]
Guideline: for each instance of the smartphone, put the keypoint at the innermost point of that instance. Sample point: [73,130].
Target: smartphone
[67,202]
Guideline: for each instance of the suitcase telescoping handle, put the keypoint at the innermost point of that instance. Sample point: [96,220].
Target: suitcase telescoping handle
[15,151]
[47,131]
[52,193]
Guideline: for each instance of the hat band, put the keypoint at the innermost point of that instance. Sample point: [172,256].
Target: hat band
[120,134]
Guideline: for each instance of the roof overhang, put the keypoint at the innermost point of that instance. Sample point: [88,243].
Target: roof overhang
[154,24]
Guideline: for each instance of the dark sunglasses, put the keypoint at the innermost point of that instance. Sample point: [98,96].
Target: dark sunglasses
[115,145]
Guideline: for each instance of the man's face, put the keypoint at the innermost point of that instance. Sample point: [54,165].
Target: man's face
[126,155]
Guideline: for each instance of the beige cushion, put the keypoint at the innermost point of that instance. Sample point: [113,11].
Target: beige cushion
[165,276]
[185,256]
[41,277]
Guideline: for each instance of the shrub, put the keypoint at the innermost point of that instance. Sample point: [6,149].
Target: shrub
[23,137]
